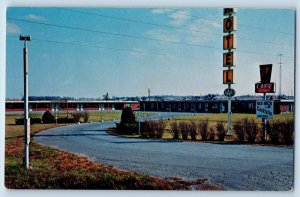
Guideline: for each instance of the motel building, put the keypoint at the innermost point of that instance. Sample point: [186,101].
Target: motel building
[214,106]
[70,105]
[193,106]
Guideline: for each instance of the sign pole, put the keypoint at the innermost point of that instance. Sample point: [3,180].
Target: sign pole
[26,117]
[264,121]
[229,26]
[229,112]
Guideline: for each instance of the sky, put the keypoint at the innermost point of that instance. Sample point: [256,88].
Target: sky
[124,51]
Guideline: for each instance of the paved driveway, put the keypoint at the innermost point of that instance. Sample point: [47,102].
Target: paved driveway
[236,167]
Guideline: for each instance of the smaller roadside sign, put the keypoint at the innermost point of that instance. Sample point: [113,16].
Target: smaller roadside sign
[229,92]
[265,73]
[264,109]
[265,88]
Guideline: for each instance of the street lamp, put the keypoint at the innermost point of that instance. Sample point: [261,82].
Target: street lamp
[26,117]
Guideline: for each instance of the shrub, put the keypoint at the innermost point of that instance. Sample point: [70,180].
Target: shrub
[153,129]
[175,130]
[281,132]
[211,134]
[287,132]
[160,128]
[273,132]
[184,128]
[221,131]
[127,128]
[76,116]
[127,116]
[193,130]
[203,125]
[251,129]
[85,116]
[48,117]
[239,131]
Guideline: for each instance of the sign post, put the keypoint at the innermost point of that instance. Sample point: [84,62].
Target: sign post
[229,43]
[264,108]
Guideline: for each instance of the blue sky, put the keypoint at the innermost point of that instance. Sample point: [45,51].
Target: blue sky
[119,51]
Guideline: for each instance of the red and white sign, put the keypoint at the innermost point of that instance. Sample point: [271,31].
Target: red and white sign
[265,88]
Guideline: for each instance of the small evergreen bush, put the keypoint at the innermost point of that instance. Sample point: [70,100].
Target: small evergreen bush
[48,117]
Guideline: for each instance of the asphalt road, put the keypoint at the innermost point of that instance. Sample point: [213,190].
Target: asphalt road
[236,167]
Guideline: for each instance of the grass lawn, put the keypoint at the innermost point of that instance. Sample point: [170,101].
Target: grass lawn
[55,169]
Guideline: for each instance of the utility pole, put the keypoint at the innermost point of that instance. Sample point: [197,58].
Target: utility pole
[148,94]
[26,117]
[280,63]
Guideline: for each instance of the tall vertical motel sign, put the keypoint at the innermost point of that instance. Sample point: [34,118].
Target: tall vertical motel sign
[229,43]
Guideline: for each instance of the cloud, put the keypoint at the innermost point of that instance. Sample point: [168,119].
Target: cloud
[162,34]
[35,17]
[179,17]
[160,10]
[45,55]
[13,28]
[209,29]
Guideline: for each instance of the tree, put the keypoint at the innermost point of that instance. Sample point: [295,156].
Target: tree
[127,116]
[105,96]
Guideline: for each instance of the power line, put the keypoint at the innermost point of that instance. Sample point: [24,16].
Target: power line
[165,26]
[111,33]
[115,49]
[137,51]
[130,36]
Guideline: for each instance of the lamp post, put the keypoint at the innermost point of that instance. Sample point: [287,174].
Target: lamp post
[26,117]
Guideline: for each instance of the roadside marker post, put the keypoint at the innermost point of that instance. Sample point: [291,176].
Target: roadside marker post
[26,116]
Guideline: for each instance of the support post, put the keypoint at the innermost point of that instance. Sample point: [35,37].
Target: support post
[264,122]
[229,113]
[26,114]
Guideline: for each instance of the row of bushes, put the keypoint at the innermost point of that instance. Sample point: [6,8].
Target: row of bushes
[192,129]
[49,118]
[245,130]
[279,132]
